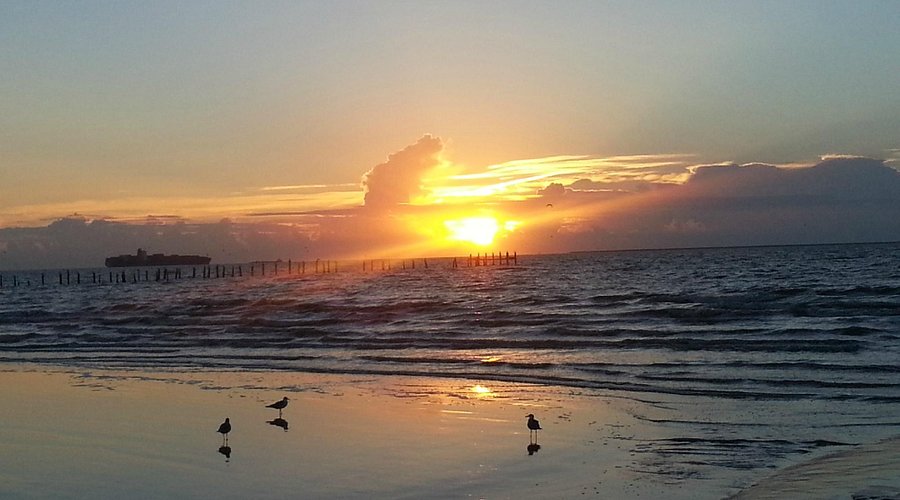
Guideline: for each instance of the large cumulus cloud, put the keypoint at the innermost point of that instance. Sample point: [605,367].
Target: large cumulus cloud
[395,181]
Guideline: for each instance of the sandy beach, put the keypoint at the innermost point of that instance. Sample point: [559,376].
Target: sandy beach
[104,434]
[79,433]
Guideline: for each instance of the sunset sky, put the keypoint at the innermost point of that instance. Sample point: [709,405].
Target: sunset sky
[362,129]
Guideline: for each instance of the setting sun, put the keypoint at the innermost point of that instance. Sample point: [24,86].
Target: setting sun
[478,230]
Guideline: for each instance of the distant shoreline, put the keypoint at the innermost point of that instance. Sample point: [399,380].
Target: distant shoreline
[451,257]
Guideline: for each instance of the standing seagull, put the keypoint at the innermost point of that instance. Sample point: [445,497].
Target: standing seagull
[225,428]
[279,405]
[533,426]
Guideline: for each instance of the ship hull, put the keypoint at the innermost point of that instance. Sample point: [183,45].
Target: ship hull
[157,260]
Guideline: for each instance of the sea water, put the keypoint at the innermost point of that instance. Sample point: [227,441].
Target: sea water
[745,358]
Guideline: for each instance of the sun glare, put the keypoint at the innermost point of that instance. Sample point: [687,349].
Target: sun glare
[481,392]
[478,230]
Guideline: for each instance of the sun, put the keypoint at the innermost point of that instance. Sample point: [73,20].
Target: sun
[478,230]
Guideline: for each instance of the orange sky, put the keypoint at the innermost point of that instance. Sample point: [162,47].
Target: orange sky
[419,203]
[303,126]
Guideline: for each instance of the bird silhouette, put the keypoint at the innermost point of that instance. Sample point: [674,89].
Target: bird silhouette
[279,405]
[533,426]
[225,428]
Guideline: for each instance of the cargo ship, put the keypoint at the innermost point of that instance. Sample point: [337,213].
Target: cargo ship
[156,259]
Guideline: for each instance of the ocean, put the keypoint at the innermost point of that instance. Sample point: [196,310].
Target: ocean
[745,359]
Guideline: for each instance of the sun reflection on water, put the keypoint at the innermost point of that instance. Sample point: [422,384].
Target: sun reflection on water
[480,391]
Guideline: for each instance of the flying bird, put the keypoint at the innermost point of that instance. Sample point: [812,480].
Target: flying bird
[225,428]
[279,405]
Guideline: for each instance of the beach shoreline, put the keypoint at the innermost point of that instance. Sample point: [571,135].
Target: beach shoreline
[154,433]
[86,432]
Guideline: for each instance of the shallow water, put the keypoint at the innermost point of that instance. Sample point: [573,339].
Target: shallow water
[744,359]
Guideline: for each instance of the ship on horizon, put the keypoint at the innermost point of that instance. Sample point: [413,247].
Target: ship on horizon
[156,259]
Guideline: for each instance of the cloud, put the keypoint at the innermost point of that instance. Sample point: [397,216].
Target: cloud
[835,179]
[838,200]
[81,242]
[519,180]
[554,190]
[571,203]
[395,181]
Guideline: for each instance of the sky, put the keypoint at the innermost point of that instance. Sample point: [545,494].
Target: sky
[357,129]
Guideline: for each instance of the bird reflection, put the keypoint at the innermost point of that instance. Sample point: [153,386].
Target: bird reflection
[225,450]
[279,422]
[533,448]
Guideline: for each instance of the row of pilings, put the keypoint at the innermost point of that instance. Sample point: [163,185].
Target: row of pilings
[253,269]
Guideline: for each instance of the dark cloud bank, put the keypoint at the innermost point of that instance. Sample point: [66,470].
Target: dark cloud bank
[839,200]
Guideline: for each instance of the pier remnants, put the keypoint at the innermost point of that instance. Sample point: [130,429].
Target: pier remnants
[261,268]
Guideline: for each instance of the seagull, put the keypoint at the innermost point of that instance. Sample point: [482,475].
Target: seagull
[279,405]
[225,428]
[533,425]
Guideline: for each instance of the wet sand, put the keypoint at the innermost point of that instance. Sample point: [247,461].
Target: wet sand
[104,434]
[867,472]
